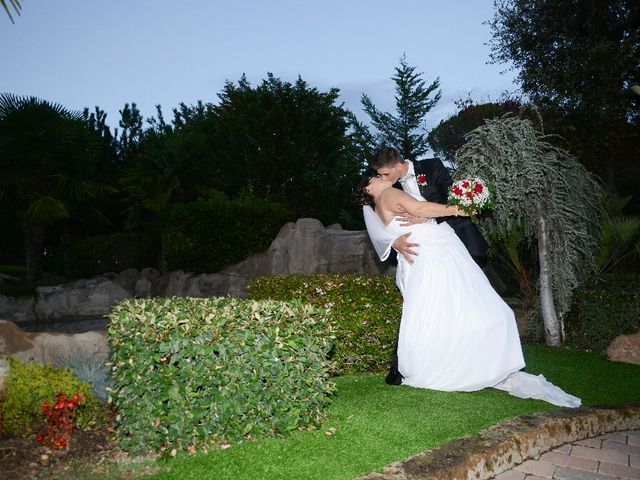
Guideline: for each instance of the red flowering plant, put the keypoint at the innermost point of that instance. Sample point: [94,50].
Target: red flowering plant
[472,195]
[422,180]
[60,420]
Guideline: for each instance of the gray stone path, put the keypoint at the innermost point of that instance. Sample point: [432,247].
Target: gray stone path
[612,456]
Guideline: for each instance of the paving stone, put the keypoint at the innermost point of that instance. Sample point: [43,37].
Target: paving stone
[608,456]
[511,475]
[633,440]
[590,442]
[537,467]
[634,460]
[563,460]
[535,477]
[564,473]
[619,447]
[632,473]
[566,449]
[616,437]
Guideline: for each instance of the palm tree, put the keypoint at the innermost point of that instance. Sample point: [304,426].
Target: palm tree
[47,157]
[14,3]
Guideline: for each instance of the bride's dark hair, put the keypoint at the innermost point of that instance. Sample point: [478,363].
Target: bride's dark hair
[361,196]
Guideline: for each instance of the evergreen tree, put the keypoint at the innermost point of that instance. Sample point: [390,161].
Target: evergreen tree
[287,141]
[414,99]
[451,134]
[578,60]
[545,192]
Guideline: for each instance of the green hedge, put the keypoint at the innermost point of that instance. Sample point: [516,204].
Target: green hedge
[210,234]
[208,371]
[603,309]
[365,311]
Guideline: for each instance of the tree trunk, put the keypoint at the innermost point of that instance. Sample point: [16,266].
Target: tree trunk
[33,235]
[552,325]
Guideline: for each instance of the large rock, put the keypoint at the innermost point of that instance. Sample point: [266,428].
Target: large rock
[625,348]
[128,278]
[50,347]
[90,297]
[18,309]
[305,246]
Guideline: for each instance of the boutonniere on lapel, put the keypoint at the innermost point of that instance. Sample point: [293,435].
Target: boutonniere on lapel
[422,180]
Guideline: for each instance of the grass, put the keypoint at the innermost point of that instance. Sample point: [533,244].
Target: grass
[370,424]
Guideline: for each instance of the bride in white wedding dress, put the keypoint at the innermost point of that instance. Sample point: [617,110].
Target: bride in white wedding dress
[456,333]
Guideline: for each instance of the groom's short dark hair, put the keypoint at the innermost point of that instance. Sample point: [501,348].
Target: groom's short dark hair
[386,157]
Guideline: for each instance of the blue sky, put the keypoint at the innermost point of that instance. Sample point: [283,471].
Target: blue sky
[83,53]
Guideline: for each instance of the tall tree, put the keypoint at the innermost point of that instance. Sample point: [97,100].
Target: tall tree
[289,142]
[414,99]
[578,59]
[452,133]
[47,167]
[543,191]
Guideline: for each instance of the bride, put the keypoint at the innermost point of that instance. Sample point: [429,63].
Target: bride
[456,333]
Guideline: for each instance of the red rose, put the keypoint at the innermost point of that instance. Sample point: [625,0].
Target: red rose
[468,195]
[465,184]
[422,179]
[477,188]
[457,190]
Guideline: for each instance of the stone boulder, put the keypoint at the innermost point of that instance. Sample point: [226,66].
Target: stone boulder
[18,309]
[306,246]
[625,348]
[302,247]
[50,348]
[91,297]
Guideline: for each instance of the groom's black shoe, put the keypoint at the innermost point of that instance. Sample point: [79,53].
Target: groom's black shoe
[394,377]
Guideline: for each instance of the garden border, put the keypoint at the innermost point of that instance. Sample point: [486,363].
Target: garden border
[509,443]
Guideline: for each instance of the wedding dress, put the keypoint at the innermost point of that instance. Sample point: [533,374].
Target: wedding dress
[456,332]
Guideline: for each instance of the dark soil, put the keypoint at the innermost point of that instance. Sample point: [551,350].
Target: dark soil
[90,454]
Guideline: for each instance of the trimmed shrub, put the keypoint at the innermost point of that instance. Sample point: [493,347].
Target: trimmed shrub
[607,307]
[210,234]
[195,371]
[28,386]
[365,311]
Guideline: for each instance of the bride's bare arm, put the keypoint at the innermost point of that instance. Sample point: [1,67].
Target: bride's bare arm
[401,202]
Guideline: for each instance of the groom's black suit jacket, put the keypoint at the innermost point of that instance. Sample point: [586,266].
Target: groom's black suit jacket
[436,190]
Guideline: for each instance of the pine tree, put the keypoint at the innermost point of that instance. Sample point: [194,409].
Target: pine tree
[405,130]
[550,196]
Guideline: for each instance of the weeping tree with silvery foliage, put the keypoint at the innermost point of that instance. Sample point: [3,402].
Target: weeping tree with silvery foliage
[544,191]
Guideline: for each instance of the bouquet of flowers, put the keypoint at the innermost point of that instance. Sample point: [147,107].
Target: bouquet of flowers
[473,195]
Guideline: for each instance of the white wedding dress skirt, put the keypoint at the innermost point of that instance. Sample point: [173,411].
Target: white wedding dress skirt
[456,332]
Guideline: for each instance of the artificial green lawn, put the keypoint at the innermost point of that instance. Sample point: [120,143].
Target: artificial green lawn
[376,424]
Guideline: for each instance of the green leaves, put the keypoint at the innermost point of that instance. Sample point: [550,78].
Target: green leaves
[210,234]
[46,209]
[216,370]
[364,311]
[27,386]
[414,99]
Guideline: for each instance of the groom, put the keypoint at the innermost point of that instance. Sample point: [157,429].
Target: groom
[430,179]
